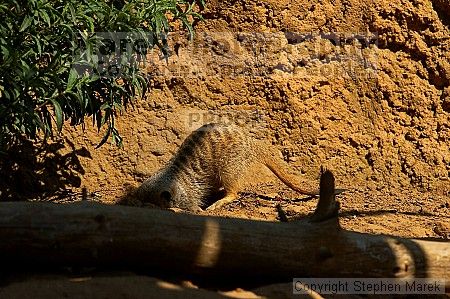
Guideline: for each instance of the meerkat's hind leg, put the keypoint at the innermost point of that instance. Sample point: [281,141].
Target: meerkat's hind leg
[228,198]
[230,184]
[230,177]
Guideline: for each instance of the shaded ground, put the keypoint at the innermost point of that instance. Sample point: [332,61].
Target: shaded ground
[129,285]
[362,88]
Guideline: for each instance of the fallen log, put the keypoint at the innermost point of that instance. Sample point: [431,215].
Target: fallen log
[92,234]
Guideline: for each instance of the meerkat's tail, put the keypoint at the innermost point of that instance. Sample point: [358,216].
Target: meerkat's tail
[288,179]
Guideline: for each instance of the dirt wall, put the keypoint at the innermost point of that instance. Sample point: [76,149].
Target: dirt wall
[374,109]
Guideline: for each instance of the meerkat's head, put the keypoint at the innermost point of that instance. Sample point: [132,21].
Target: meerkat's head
[162,191]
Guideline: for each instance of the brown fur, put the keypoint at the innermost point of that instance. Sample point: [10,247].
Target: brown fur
[214,157]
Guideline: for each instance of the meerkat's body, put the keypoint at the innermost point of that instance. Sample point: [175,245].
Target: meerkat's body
[213,158]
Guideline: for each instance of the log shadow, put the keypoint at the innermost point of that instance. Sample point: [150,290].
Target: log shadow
[354,212]
[39,171]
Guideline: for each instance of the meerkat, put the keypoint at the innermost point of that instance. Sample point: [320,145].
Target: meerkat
[212,159]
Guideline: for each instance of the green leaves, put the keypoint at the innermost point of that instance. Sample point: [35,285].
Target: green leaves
[55,63]
[26,23]
[58,114]
[73,75]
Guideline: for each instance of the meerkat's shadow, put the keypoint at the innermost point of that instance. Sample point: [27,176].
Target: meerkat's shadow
[129,198]
[213,198]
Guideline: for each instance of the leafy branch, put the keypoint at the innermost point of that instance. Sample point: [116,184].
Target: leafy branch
[65,60]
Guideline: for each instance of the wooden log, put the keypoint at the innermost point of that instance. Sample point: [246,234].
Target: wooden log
[92,234]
